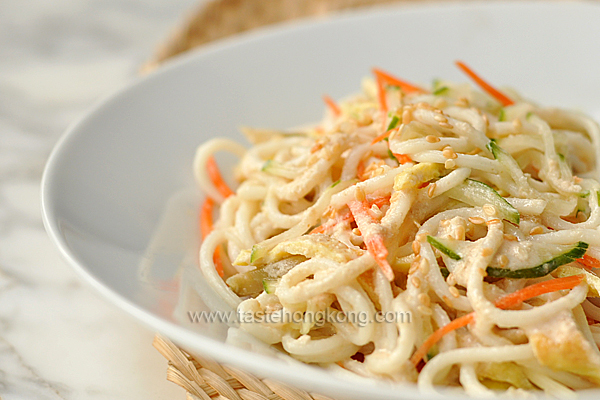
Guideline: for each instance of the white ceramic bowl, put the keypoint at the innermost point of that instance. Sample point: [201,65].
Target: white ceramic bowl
[109,179]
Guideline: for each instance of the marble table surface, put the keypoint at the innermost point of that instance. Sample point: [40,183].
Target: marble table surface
[58,338]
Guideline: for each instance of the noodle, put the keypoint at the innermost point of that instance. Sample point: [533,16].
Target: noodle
[358,243]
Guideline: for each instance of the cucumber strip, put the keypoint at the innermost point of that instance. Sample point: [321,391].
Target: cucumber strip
[442,246]
[248,283]
[592,280]
[507,160]
[440,91]
[393,123]
[270,285]
[257,253]
[502,115]
[477,193]
[540,270]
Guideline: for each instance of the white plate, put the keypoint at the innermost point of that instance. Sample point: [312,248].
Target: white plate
[109,179]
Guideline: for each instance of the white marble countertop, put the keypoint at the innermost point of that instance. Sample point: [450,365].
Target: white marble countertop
[58,338]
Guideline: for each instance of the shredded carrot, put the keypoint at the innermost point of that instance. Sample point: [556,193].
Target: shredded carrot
[206,227]
[374,242]
[381,97]
[504,302]
[206,217]
[216,178]
[529,292]
[360,169]
[402,158]
[492,91]
[347,216]
[386,77]
[589,262]
[383,136]
[333,106]
[439,334]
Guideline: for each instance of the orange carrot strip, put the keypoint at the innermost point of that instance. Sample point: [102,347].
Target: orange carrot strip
[360,169]
[402,158]
[218,262]
[206,227]
[216,178]
[529,292]
[332,222]
[439,334]
[504,302]
[383,136]
[374,242]
[381,97]
[492,91]
[589,262]
[333,106]
[206,217]
[392,80]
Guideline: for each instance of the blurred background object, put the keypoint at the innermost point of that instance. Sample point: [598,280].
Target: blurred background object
[221,18]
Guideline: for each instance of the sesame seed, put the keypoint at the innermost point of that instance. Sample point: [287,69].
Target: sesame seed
[357,232]
[486,252]
[489,209]
[503,260]
[447,301]
[432,139]
[494,221]
[536,231]
[462,102]
[448,152]
[406,116]
[449,164]
[517,123]
[446,125]
[510,237]
[440,118]
[413,268]
[421,236]
[416,247]
[424,310]
[359,194]
[476,220]
[417,258]
[440,103]
[424,266]
[485,119]
[416,282]
[431,189]
[454,291]
[424,299]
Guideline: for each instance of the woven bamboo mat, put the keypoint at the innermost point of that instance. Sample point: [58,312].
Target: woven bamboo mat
[204,378]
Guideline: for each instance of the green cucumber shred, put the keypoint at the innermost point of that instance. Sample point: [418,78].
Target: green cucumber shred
[442,247]
[476,193]
[393,123]
[502,115]
[270,285]
[440,91]
[543,269]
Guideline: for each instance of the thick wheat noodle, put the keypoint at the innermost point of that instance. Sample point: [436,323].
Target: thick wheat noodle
[471,355]
[402,190]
